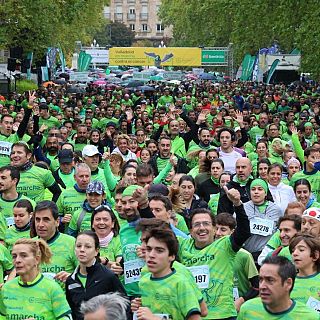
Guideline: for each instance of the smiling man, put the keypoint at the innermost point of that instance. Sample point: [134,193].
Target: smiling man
[277,276]
[288,226]
[211,262]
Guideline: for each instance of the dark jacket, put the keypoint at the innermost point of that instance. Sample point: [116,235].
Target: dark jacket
[195,204]
[207,188]
[225,205]
[58,178]
[100,280]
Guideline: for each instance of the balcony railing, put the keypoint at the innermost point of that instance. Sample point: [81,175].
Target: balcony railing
[143,16]
[131,16]
[118,17]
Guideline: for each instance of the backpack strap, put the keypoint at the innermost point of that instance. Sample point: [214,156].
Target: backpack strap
[80,218]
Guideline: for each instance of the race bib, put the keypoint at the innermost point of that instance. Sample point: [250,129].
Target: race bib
[10,221]
[261,227]
[49,275]
[258,137]
[132,270]
[5,148]
[162,316]
[235,292]
[313,304]
[201,275]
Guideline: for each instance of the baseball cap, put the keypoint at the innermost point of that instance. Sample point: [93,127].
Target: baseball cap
[90,150]
[158,188]
[111,124]
[65,156]
[95,187]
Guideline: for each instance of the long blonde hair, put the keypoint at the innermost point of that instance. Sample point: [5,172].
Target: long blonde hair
[38,247]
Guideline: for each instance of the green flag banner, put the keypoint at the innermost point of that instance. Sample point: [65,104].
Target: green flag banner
[272,70]
[247,67]
[84,61]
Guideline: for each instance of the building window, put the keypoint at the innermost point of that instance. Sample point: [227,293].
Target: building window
[106,12]
[132,27]
[118,13]
[132,14]
[160,27]
[144,13]
[144,27]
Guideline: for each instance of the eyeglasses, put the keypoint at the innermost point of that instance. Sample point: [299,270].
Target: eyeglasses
[202,223]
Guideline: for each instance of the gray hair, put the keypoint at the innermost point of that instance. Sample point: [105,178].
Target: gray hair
[114,305]
[83,166]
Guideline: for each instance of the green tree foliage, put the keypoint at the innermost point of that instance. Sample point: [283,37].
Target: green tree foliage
[38,24]
[248,24]
[115,34]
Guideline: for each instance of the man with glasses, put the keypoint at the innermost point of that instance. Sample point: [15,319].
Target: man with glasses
[211,262]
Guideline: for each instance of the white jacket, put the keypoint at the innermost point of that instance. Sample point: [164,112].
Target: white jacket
[282,195]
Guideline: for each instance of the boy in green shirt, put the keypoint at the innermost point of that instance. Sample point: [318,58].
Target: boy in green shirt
[164,293]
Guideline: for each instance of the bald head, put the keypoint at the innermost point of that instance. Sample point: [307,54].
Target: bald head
[243,168]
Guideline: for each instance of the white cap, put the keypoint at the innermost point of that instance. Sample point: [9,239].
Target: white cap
[90,150]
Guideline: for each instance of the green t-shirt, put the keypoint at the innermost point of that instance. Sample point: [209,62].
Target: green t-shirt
[312,177]
[6,207]
[244,269]
[54,162]
[68,179]
[130,240]
[85,223]
[70,201]
[51,122]
[254,309]
[213,203]
[5,261]
[170,296]
[5,147]
[104,121]
[99,176]
[42,299]
[214,274]
[275,241]
[63,256]
[306,288]
[113,250]
[161,163]
[255,134]
[13,234]
[181,224]
[165,101]
[33,183]
[178,147]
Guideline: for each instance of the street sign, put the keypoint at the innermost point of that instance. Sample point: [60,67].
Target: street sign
[80,76]
[99,55]
[214,57]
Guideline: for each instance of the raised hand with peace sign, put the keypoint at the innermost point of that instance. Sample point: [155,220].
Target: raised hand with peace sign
[32,98]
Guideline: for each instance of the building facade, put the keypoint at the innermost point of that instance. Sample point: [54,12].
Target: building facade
[141,16]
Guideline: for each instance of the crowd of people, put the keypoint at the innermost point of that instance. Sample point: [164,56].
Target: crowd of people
[193,201]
